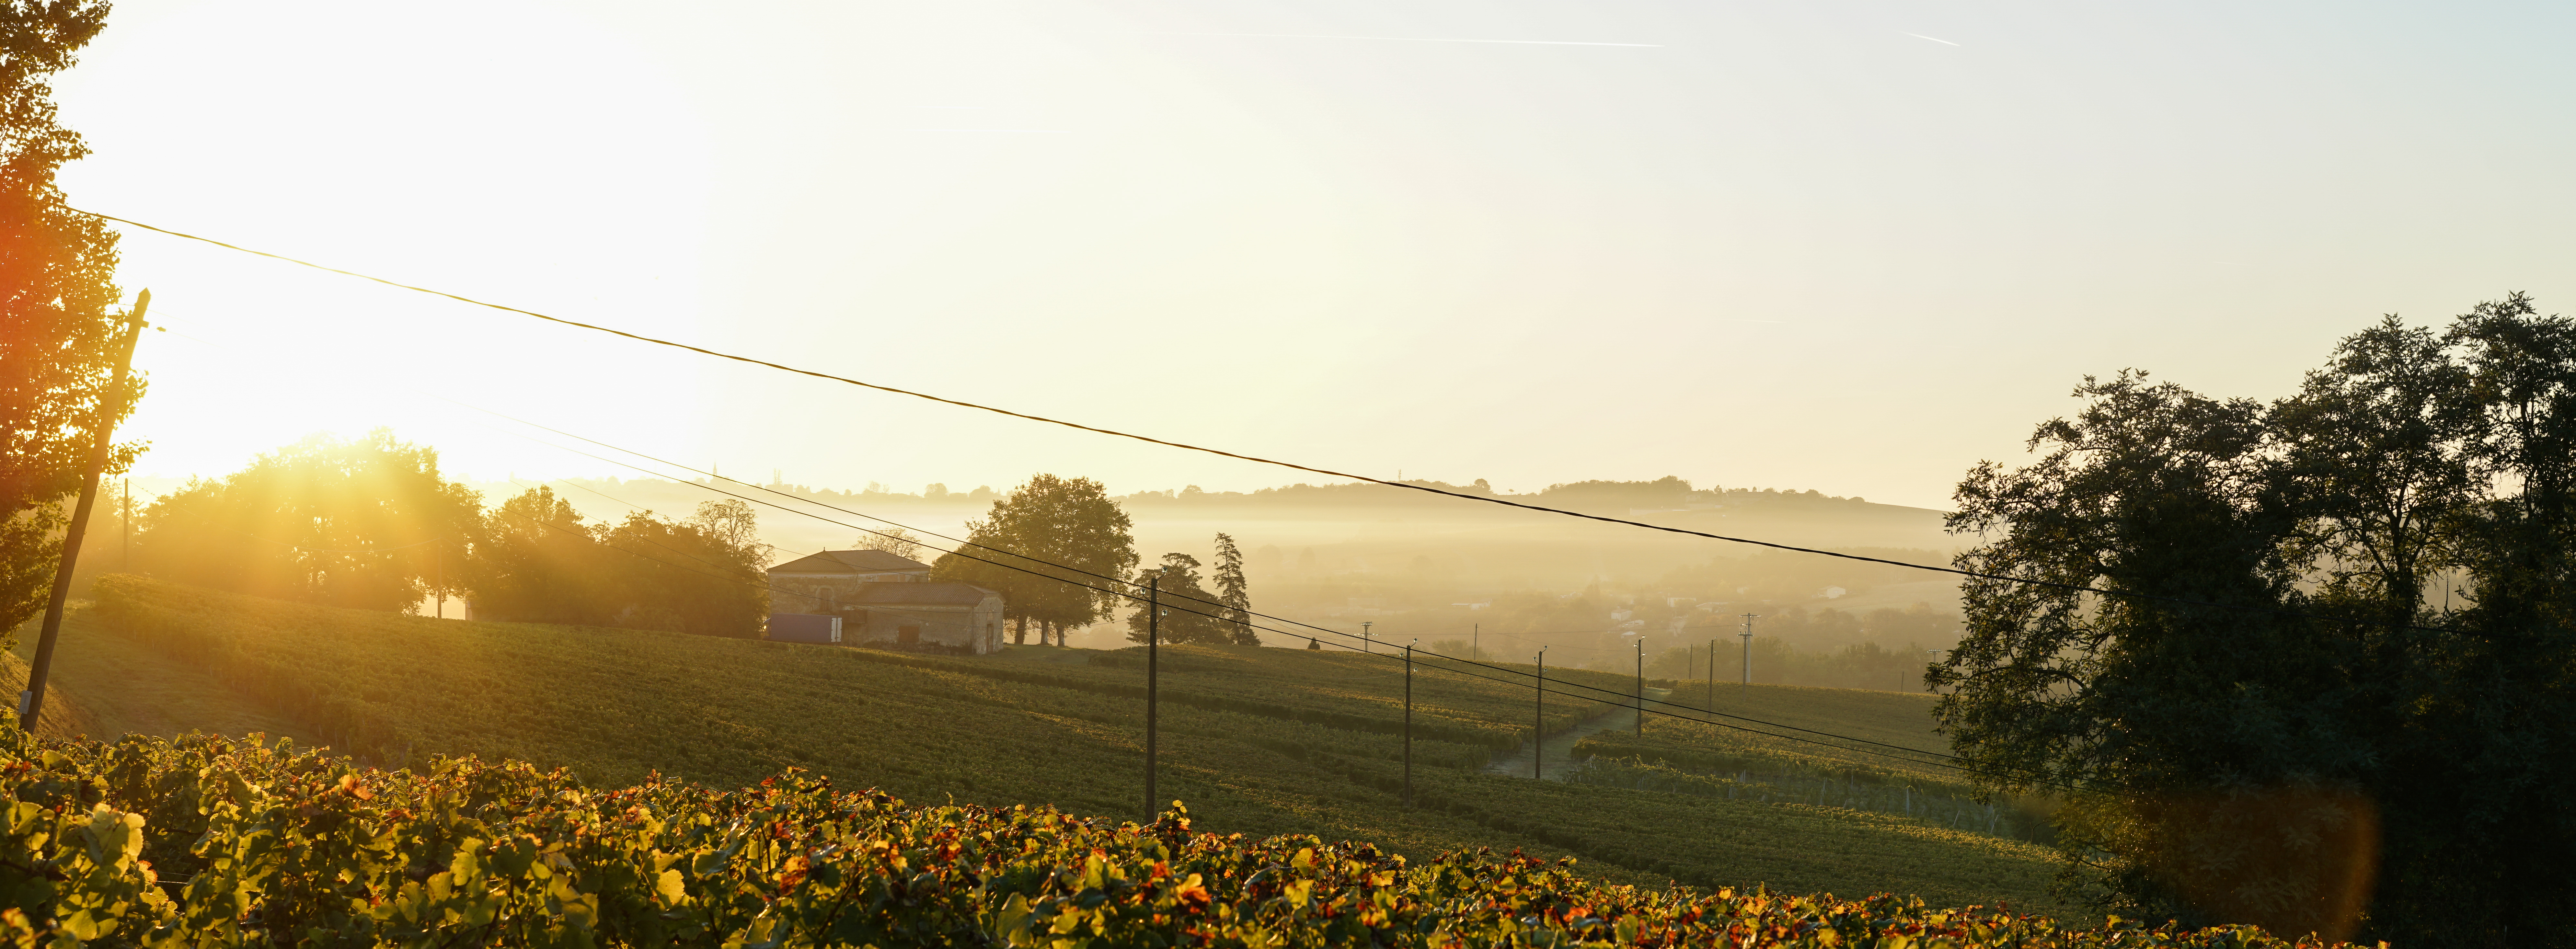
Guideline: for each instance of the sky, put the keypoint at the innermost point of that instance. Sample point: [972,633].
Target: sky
[1850,247]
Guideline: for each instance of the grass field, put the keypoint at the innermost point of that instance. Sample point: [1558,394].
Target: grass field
[1259,741]
[114,688]
[1740,752]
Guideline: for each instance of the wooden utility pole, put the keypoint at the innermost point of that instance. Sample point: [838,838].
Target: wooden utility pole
[1153,671]
[1538,734]
[1748,649]
[1408,723]
[31,703]
[1641,686]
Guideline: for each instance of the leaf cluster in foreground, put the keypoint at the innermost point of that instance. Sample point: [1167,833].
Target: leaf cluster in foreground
[210,841]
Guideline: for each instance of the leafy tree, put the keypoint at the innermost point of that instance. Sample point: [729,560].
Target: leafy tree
[1191,614]
[361,523]
[735,525]
[538,563]
[1049,547]
[894,540]
[703,575]
[2268,679]
[58,340]
[1235,592]
[2480,846]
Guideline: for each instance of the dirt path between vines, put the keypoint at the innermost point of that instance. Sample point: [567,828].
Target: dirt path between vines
[1560,746]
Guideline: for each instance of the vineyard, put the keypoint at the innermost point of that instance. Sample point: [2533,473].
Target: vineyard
[1261,742]
[1719,757]
[208,841]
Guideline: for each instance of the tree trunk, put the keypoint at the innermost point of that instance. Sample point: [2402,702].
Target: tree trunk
[1020,631]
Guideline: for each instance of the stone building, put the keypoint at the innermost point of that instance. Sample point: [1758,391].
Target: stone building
[889,602]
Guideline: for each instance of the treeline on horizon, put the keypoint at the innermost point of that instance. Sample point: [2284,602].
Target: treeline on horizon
[1669,493]
[371,523]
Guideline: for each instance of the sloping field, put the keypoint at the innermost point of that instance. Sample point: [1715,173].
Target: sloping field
[1257,741]
[104,686]
[1769,727]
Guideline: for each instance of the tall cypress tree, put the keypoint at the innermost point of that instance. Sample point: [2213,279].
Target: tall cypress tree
[58,339]
[1235,592]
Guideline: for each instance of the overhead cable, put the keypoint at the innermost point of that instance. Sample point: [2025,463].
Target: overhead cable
[1425,488]
[1605,695]
[1609,693]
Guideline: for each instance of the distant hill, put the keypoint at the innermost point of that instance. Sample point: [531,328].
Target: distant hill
[1315,548]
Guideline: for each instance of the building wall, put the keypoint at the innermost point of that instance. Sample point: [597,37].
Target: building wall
[975,630]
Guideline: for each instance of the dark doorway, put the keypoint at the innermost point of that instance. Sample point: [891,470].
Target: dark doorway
[907,635]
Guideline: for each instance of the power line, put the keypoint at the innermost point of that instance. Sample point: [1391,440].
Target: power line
[962,553]
[1489,499]
[1611,694]
[1272,629]
[1131,596]
[1938,759]
[1941,759]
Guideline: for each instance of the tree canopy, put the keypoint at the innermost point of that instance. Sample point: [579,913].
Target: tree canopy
[1190,614]
[58,338]
[367,523]
[1049,547]
[538,562]
[2339,620]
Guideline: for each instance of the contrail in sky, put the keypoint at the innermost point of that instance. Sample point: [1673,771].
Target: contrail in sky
[1935,39]
[1419,39]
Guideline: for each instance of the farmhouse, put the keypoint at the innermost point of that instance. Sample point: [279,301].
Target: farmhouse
[888,601]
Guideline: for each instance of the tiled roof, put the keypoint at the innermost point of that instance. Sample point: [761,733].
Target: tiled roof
[851,561]
[918,594]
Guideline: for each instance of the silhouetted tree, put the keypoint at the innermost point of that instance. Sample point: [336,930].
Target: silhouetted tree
[2271,685]
[703,575]
[1235,592]
[58,340]
[359,523]
[893,540]
[538,562]
[1051,547]
[1191,614]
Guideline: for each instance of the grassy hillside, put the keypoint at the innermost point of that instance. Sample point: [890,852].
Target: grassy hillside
[65,715]
[1258,741]
[103,686]
[1743,714]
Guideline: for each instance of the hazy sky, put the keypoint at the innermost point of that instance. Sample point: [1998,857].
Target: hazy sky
[1845,246]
